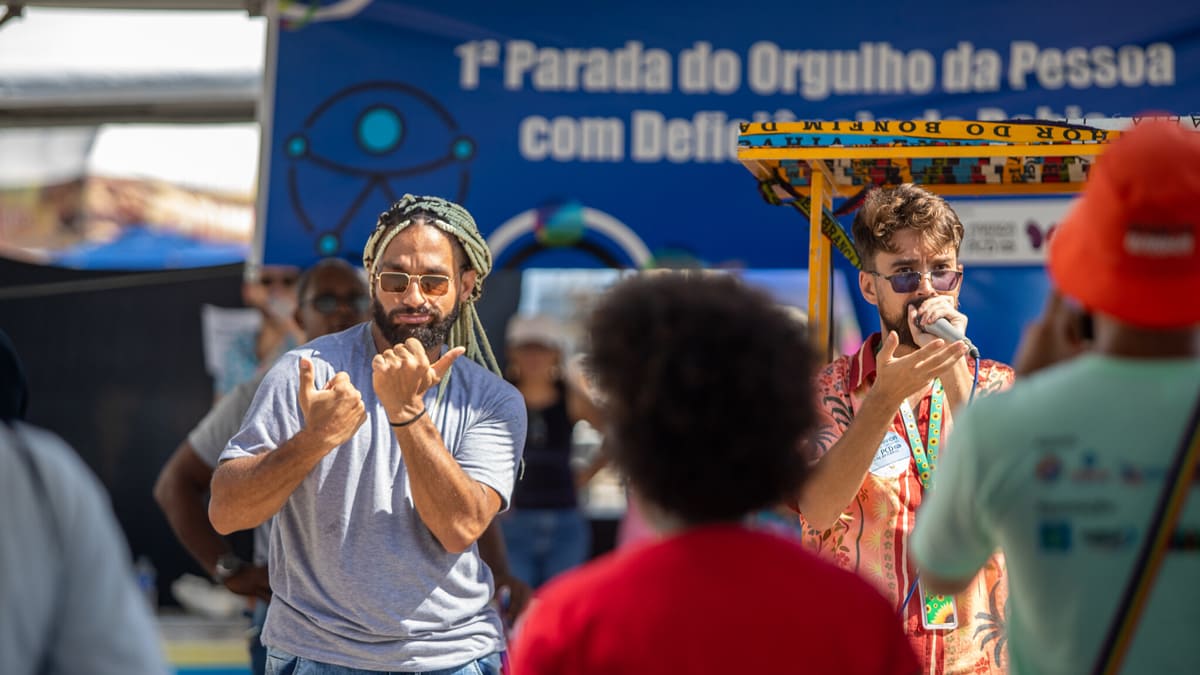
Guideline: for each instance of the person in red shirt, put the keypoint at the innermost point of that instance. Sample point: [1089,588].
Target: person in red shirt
[706,387]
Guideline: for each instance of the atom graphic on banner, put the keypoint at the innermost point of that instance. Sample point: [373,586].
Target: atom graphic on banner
[361,141]
[567,224]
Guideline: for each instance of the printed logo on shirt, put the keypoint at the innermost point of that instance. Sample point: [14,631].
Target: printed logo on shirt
[1054,536]
[892,458]
[1059,443]
[1048,468]
[1185,540]
[1074,507]
[1090,472]
[1109,538]
[1131,474]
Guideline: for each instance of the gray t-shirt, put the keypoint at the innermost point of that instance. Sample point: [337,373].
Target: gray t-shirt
[67,595]
[358,579]
[213,432]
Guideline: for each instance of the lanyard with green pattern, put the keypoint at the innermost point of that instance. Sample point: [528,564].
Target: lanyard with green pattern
[926,461]
[939,611]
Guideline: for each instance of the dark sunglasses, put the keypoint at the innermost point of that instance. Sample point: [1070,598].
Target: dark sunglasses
[286,281]
[328,304]
[907,282]
[430,284]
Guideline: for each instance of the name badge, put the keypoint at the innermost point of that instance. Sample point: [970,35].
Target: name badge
[892,457]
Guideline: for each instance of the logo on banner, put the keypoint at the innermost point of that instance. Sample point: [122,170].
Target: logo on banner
[1038,235]
[1008,232]
[568,224]
[404,141]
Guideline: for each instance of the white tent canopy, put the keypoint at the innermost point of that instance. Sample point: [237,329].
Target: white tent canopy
[66,74]
[166,98]
[78,67]
[253,6]
[218,157]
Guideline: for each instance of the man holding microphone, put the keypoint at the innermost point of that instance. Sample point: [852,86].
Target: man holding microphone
[886,410]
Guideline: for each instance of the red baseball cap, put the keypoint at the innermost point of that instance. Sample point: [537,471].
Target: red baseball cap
[1130,246]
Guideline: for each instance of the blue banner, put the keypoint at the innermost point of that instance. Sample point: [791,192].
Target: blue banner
[590,134]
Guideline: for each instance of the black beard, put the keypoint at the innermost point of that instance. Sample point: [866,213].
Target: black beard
[432,334]
[900,325]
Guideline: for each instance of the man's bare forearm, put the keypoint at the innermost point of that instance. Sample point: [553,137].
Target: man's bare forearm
[180,491]
[248,490]
[840,472]
[454,506]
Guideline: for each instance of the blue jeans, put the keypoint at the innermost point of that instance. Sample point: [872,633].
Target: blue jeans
[543,543]
[282,663]
[258,653]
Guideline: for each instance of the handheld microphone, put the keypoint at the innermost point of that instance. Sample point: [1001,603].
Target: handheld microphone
[949,333]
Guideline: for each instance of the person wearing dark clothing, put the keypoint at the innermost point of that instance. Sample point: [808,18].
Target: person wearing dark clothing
[545,531]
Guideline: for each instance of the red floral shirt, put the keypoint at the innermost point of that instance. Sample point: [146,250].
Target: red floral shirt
[871,537]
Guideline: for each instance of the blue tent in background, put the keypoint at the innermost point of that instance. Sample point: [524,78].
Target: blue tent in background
[141,248]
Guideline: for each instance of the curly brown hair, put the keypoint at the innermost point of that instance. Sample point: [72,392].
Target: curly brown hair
[708,393]
[888,209]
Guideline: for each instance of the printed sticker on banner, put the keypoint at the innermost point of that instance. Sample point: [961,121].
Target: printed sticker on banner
[892,457]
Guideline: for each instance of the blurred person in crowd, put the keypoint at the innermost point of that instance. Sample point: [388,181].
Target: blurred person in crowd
[886,411]
[70,604]
[1071,471]
[633,528]
[1063,331]
[545,531]
[706,435]
[383,457]
[271,290]
[333,297]
[781,518]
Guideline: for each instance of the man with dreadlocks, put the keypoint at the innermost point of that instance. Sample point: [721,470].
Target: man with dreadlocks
[383,457]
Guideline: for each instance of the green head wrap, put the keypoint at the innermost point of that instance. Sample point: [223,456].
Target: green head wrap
[455,221]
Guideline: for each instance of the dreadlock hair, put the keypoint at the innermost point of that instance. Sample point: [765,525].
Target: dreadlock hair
[888,209]
[455,221]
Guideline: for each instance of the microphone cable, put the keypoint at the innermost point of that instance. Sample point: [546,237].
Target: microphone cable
[975,381]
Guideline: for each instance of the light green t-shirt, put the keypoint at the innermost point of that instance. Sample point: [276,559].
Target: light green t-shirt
[1063,473]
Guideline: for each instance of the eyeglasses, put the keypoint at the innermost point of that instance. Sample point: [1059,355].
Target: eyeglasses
[329,303]
[907,282]
[287,280]
[397,282]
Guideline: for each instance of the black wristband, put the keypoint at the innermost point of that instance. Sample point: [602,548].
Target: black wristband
[408,422]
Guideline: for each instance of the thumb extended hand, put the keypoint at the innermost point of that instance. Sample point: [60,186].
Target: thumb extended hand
[306,380]
[888,349]
[443,364]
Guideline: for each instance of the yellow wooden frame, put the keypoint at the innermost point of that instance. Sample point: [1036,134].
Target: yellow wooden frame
[957,139]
